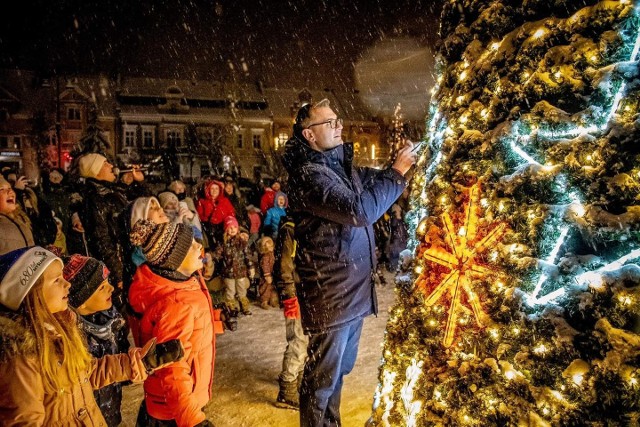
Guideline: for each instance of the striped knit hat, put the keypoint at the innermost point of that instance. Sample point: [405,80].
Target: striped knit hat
[85,274]
[164,245]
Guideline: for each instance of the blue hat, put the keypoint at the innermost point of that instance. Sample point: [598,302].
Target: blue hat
[19,271]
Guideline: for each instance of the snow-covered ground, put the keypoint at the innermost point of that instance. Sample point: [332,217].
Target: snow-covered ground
[249,360]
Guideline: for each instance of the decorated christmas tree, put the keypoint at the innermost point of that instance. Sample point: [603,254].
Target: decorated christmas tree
[523,305]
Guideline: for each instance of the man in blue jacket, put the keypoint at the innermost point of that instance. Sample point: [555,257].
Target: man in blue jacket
[335,205]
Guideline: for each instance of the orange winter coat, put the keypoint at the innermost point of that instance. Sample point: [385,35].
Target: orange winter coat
[182,310]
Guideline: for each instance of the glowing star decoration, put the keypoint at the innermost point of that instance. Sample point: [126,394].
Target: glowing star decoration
[462,262]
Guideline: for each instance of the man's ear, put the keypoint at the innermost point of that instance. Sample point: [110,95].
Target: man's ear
[307,134]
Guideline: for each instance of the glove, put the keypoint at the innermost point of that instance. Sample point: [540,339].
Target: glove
[291,308]
[160,355]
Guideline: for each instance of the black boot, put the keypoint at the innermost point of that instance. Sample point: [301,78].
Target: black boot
[288,396]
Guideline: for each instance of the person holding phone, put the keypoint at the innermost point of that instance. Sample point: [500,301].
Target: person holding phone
[335,205]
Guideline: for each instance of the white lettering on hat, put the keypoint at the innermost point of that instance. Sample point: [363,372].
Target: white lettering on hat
[32,268]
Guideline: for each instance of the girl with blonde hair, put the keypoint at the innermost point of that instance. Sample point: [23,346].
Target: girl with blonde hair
[47,376]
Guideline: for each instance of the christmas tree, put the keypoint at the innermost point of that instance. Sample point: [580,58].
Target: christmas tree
[522,307]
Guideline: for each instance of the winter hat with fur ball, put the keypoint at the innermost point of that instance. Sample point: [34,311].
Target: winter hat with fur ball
[85,274]
[20,270]
[164,245]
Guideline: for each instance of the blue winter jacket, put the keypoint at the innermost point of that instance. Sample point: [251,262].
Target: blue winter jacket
[334,205]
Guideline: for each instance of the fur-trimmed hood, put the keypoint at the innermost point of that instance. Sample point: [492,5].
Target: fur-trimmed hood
[15,337]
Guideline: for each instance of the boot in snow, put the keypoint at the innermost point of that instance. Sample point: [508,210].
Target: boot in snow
[245,306]
[288,396]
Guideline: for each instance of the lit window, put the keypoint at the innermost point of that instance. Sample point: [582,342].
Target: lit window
[283,137]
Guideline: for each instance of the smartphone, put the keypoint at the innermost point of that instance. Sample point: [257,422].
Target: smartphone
[417,146]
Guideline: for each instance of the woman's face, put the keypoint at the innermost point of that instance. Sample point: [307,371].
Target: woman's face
[55,288]
[193,261]
[156,213]
[214,191]
[7,198]
[99,300]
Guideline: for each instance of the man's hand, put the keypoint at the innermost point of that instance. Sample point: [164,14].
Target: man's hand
[137,173]
[405,159]
[76,224]
[21,183]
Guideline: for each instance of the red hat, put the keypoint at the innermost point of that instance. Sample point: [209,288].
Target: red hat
[230,221]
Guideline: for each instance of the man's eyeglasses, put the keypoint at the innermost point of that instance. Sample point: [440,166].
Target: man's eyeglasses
[333,123]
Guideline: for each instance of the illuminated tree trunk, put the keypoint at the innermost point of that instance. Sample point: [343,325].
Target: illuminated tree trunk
[523,305]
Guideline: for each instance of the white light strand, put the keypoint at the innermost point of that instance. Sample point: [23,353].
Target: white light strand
[533,299]
[411,407]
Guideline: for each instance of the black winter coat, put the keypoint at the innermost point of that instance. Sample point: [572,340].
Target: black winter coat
[335,206]
[102,204]
[106,334]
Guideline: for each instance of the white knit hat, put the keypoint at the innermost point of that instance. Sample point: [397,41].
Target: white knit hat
[89,165]
[19,271]
[140,209]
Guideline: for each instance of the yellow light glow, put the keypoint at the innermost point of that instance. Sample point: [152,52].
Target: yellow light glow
[465,64]
[557,74]
[484,202]
[443,200]
[589,157]
[460,99]
[463,119]
[501,206]
[373,151]
[419,269]
[557,394]
[493,256]
[594,58]
[633,381]
[540,349]
[545,411]
[484,113]
[495,46]
[462,231]
[525,75]
[539,33]
[509,374]
[577,379]
[462,76]
[625,299]
[432,323]
[495,334]
[515,330]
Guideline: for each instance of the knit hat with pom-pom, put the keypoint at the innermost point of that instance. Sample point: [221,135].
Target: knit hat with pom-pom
[230,221]
[164,245]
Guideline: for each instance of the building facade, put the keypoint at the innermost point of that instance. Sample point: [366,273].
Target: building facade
[206,127]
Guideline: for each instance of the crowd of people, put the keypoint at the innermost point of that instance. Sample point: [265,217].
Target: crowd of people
[145,279]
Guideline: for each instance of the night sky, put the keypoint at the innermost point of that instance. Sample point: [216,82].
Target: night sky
[301,43]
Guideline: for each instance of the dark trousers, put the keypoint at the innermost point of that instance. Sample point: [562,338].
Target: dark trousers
[331,356]
[146,420]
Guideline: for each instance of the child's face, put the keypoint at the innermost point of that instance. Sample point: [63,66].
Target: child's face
[99,300]
[232,230]
[268,246]
[156,213]
[193,260]
[281,201]
[55,288]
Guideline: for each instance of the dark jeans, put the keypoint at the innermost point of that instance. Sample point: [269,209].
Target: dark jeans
[331,356]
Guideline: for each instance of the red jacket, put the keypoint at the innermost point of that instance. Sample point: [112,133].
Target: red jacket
[267,199]
[214,211]
[180,310]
